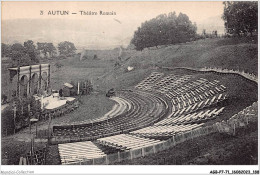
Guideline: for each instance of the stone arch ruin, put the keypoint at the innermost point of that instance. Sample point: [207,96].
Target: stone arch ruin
[28,80]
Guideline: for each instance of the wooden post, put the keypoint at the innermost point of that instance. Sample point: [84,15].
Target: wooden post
[24,161]
[118,153]
[49,130]
[234,129]
[131,156]
[30,127]
[18,82]
[42,102]
[49,75]
[36,129]
[40,77]
[107,162]
[21,161]
[31,149]
[78,88]
[30,78]
[14,118]
[173,139]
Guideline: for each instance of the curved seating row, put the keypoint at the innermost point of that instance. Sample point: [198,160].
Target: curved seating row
[191,117]
[139,117]
[166,130]
[79,151]
[147,84]
[126,141]
[145,110]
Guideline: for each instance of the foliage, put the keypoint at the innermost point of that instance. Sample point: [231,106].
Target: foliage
[47,48]
[30,49]
[85,87]
[163,30]
[240,17]
[17,51]
[66,48]
[19,56]
[5,50]
[58,65]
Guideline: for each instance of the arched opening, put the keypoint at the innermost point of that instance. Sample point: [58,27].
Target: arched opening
[34,84]
[23,86]
[44,80]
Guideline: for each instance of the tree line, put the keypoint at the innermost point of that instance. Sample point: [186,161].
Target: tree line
[240,17]
[164,29]
[30,53]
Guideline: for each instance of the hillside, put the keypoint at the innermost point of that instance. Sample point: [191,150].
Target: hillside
[230,53]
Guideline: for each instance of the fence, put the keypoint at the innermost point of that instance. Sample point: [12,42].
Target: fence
[249,76]
[243,73]
[239,120]
[248,114]
[38,157]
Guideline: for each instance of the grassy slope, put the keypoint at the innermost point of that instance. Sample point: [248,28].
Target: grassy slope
[225,53]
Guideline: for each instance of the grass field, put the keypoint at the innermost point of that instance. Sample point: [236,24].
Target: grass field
[232,53]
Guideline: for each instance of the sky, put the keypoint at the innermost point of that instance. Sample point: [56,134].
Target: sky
[30,20]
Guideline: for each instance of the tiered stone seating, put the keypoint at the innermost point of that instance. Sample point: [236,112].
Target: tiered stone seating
[148,83]
[138,119]
[189,96]
[169,82]
[107,149]
[166,130]
[126,141]
[78,151]
[199,88]
[145,109]
[191,117]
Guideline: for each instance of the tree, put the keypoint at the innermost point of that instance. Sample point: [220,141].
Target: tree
[30,49]
[17,52]
[163,30]
[240,17]
[19,56]
[46,48]
[5,50]
[66,48]
[51,49]
[42,47]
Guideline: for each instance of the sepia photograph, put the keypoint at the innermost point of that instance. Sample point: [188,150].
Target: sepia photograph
[129,83]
